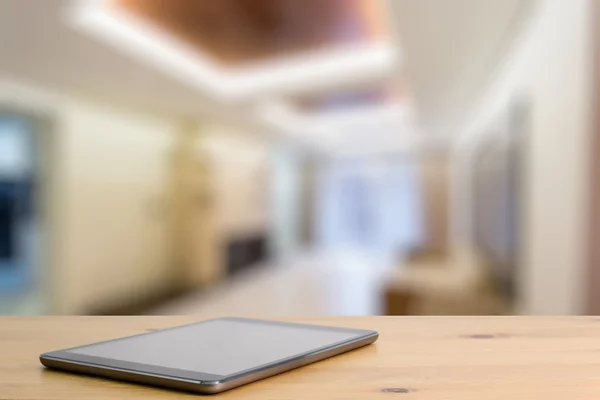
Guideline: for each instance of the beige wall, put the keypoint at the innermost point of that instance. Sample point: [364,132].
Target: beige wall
[239,165]
[115,205]
[550,68]
[109,238]
[226,185]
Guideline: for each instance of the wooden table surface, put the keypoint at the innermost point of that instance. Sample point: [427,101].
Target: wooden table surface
[466,358]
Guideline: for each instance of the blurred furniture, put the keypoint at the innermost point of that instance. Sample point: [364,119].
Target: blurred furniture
[433,170]
[438,283]
[245,252]
[456,358]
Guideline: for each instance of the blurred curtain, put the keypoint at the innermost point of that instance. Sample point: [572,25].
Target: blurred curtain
[369,205]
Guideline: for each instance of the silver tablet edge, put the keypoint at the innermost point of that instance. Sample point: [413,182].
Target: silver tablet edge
[205,387]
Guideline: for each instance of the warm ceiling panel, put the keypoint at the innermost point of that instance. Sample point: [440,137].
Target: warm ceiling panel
[238,31]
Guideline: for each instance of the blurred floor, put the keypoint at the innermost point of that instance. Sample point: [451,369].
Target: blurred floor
[344,283]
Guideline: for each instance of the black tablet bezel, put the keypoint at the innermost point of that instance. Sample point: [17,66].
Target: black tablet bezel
[195,376]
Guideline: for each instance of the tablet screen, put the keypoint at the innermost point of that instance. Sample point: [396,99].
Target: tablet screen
[221,346]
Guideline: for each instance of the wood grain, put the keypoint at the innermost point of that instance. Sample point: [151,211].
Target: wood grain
[464,358]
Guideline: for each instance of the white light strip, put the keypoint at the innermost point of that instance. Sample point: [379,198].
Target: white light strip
[145,42]
[355,64]
[314,70]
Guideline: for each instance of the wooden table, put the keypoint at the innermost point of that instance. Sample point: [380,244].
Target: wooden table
[476,358]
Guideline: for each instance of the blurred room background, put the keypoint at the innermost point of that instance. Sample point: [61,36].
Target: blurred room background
[299,157]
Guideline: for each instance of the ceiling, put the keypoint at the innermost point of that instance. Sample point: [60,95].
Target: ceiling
[36,45]
[238,31]
[450,48]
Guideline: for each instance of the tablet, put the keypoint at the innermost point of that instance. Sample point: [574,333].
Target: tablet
[210,356]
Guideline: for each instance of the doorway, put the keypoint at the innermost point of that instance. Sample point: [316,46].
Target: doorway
[22,186]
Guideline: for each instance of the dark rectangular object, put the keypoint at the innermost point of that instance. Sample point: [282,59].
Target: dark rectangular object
[243,253]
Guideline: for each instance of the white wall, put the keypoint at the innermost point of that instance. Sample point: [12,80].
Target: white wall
[551,67]
[286,200]
[115,167]
[108,200]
